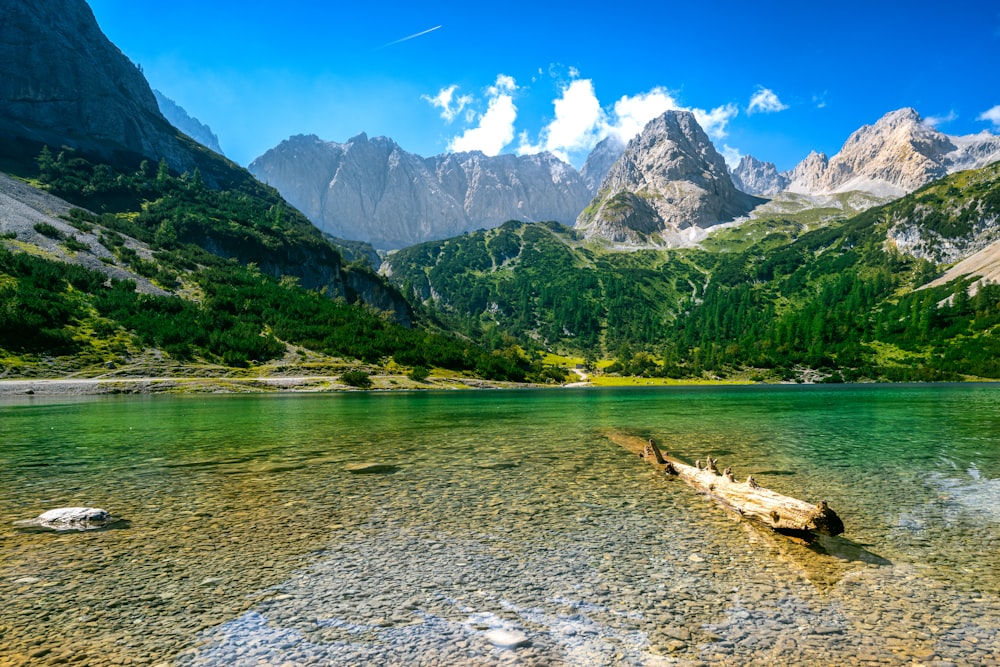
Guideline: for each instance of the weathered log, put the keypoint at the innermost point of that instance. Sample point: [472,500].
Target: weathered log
[748,499]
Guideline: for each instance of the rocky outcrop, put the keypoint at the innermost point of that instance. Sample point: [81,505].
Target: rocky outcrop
[896,155]
[372,190]
[600,161]
[187,124]
[365,286]
[669,178]
[756,177]
[70,518]
[63,83]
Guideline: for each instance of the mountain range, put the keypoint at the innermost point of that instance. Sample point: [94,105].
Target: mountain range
[370,189]
[890,158]
[666,180]
[144,241]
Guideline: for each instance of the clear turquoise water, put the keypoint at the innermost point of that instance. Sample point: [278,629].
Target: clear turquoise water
[249,543]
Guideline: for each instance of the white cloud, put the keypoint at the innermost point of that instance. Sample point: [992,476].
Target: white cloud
[731,155]
[934,121]
[450,105]
[496,126]
[579,121]
[576,126]
[820,100]
[992,115]
[764,100]
[714,122]
[631,113]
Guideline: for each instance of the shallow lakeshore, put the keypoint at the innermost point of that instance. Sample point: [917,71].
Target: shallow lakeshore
[75,386]
[238,385]
[251,542]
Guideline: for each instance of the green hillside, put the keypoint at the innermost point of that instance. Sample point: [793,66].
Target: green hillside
[772,299]
[190,274]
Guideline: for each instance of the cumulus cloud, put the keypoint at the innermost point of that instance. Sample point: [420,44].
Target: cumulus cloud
[632,112]
[934,121]
[765,100]
[581,122]
[495,127]
[992,115]
[576,126]
[731,155]
[714,122]
[450,105]
[578,123]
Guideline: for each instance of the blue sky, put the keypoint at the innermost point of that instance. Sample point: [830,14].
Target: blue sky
[770,79]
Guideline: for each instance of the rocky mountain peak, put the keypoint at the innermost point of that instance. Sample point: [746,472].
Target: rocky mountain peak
[669,178]
[897,154]
[601,159]
[756,177]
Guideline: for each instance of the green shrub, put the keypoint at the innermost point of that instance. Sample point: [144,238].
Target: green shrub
[45,229]
[419,373]
[73,245]
[359,379]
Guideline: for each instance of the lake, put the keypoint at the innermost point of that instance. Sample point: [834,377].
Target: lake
[245,539]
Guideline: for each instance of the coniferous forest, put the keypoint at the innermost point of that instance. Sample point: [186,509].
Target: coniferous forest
[770,298]
[234,276]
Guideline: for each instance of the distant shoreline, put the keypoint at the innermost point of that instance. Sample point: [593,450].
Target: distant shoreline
[318,384]
[228,385]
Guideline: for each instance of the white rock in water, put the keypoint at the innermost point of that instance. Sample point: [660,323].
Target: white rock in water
[79,518]
[507,638]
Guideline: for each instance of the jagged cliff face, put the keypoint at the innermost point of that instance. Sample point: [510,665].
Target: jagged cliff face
[756,177]
[600,161]
[669,178]
[63,82]
[372,190]
[187,124]
[896,155]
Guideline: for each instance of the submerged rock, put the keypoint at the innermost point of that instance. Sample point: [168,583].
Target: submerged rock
[70,518]
[507,638]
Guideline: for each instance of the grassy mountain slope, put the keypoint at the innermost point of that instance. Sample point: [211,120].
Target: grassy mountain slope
[771,299]
[230,277]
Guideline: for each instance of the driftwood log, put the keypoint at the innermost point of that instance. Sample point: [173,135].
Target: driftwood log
[748,499]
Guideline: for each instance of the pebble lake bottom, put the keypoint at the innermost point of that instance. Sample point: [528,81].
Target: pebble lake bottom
[501,528]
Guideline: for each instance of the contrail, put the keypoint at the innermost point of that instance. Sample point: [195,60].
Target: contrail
[398,41]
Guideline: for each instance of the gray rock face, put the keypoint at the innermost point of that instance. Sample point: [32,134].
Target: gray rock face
[896,155]
[187,124]
[806,177]
[372,190]
[63,82]
[668,179]
[756,177]
[600,161]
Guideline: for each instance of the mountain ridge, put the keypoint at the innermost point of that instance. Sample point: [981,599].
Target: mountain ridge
[186,123]
[372,190]
[897,154]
